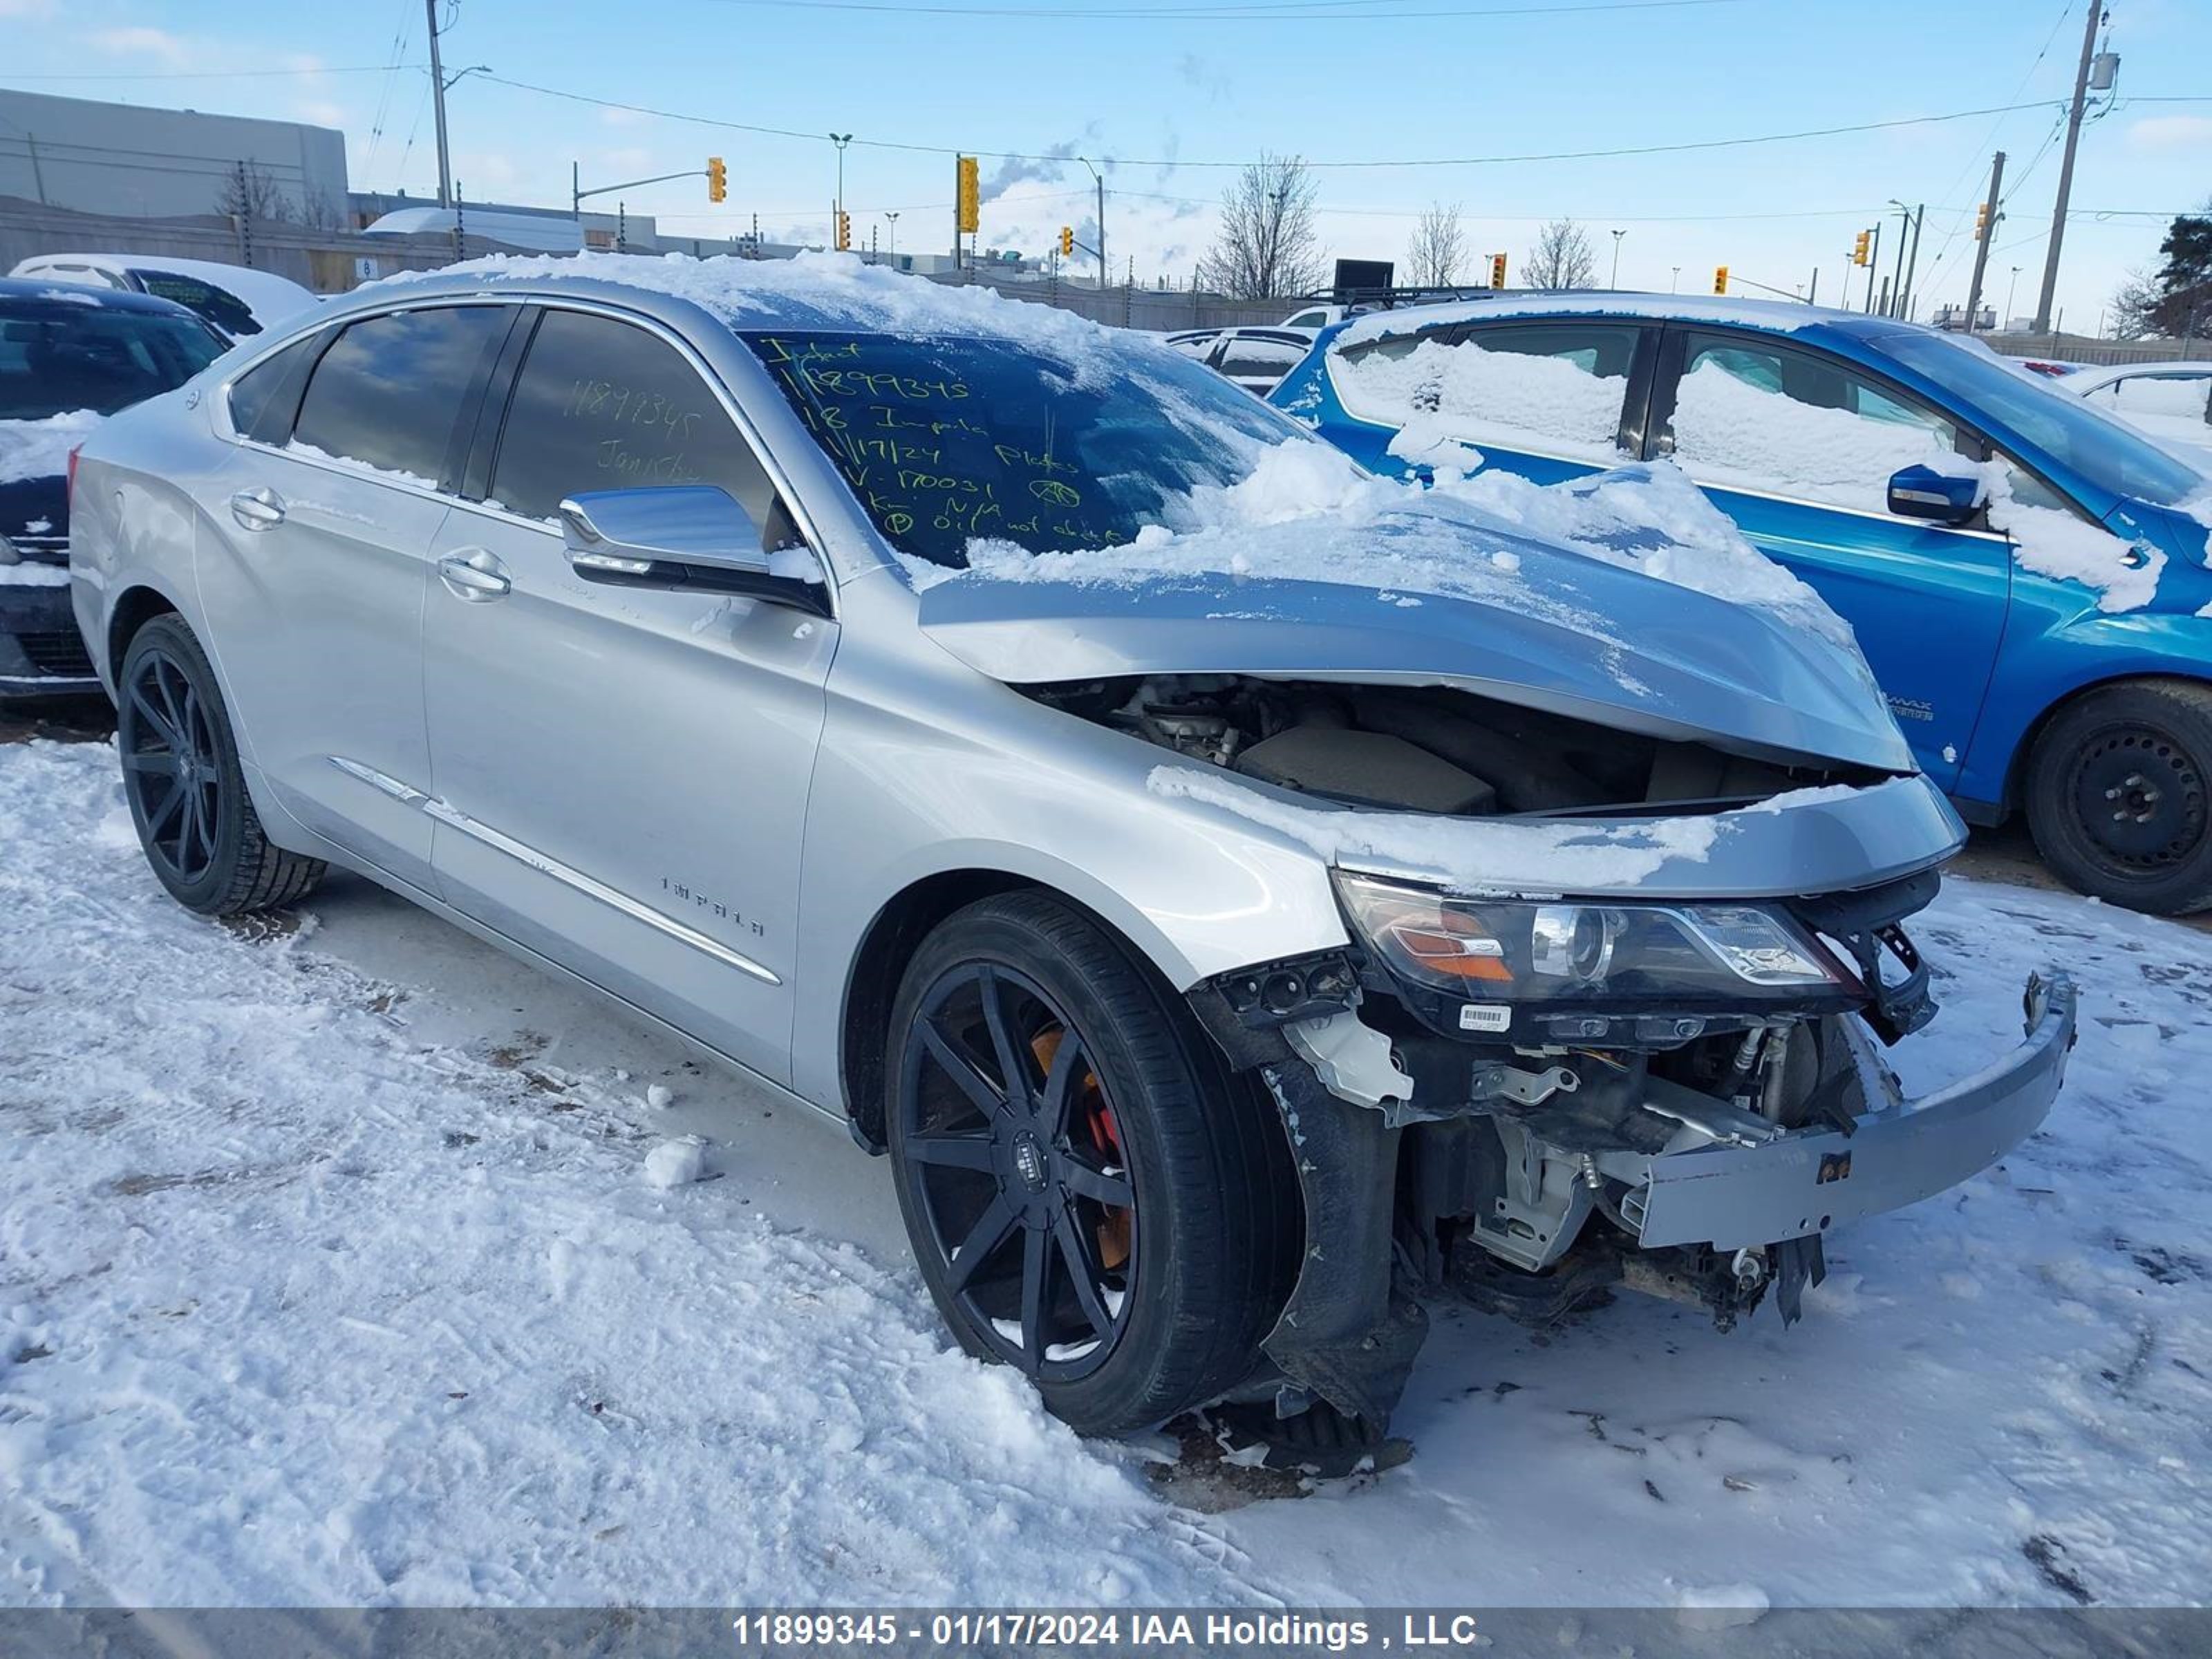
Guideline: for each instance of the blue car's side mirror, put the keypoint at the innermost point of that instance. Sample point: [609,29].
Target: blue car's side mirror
[1921,492]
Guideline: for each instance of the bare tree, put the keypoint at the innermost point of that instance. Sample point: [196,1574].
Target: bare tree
[249,191]
[319,212]
[1267,247]
[2135,306]
[1437,248]
[1561,258]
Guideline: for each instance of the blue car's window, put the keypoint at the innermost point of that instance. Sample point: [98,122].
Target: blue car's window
[950,440]
[2112,457]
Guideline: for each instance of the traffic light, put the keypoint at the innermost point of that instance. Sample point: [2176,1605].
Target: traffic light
[844,231]
[1497,271]
[1720,279]
[1859,249]
[970,194]
[718,180]
[1066,241]
[1982,222]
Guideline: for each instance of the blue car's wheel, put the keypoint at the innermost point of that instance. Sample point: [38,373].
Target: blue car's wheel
[2119,795]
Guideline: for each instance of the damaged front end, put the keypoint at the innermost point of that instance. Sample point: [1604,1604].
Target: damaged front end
[1531,1097]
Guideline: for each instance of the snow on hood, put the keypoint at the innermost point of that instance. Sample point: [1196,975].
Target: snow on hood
[39,449]
[1622,598]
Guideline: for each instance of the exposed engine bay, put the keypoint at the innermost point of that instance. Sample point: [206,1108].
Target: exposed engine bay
[1427,749]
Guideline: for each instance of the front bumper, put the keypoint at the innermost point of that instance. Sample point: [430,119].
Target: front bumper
[1805,1181]
[41,652]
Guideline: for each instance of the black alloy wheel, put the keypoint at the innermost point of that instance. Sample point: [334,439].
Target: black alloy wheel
[1012,1155]
[171,768]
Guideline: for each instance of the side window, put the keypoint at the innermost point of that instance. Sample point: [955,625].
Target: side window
[264,399]
[1796,423]
[2186,395]
[1260,357]
[602,404]
[388,391]
[1553,387]
[1309,320]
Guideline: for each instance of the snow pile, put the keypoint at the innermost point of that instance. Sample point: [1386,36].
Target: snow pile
[1769,316]
[2052,541]
[40,449]
[296,1312]
[1728,430]
[29,574]
[1532,402]
[675,1163]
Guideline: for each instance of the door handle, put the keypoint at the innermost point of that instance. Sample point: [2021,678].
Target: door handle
[476,574]
[260,508]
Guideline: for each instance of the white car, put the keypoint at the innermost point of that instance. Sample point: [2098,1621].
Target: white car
[2170,402]
[1315,318]
[1255,358]
[237,298]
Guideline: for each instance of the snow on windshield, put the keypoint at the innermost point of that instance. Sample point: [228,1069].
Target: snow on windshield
[39,449]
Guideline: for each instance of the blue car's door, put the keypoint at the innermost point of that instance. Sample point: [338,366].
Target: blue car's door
[1548,399]
[1797,446]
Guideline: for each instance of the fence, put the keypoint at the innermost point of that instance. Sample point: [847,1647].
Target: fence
[2086,348]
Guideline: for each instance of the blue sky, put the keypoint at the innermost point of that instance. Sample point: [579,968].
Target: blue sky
[1154,93]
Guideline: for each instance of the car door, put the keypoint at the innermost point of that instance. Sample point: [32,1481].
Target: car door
[312,563]
[1797,446]
[1548,399]
[2173,405]
[620,773]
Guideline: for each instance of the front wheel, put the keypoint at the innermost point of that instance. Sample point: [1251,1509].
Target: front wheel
[2117,791]
[1091,1198]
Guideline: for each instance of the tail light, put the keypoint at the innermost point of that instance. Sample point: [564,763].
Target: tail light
[72,476]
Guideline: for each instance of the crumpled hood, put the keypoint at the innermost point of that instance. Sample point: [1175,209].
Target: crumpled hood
[1549,629]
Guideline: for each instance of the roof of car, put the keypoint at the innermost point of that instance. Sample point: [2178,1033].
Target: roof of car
[1770,316]
[831,292]
[2093,375]
[256,287]
[16,289]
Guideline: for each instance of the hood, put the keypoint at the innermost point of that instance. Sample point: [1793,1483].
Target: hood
[1568,635]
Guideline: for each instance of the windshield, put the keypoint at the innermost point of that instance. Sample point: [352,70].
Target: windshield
[946,440]
[2113,456]
[218,305]
[56,357]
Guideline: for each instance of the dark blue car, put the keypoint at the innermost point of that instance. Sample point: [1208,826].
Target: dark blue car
[2027,576]
[69,358]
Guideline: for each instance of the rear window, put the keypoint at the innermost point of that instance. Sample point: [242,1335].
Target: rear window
[56,356]
[218,305]
[388,393]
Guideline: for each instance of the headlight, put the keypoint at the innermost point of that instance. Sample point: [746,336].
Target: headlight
[1499,952]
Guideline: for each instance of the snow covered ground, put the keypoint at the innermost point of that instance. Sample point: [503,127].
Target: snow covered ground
[335,1267]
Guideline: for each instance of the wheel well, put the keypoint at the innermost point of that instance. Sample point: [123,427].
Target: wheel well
[138,607]
[2024,752]
[877,967]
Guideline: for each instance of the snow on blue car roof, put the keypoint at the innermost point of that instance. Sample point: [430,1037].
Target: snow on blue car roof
[1772,316]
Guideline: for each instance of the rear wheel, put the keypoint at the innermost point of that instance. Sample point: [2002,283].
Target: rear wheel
[187,794]
[2118,797]
[1091,1197]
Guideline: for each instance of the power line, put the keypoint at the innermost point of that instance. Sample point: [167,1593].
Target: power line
[1222,11]
[1502,159]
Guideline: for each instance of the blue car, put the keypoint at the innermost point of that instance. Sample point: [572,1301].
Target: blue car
[2027,577]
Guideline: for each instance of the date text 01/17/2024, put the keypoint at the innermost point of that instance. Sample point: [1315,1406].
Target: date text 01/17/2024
[966,1631]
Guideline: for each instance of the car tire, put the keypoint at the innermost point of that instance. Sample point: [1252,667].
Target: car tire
[2118,797]
[195,823]
[1006,1200]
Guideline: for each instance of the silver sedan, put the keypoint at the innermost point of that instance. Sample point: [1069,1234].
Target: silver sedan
[1226,957]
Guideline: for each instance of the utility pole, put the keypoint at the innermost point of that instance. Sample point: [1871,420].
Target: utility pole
[1100,178]
[2066,169]
[1913,264]
[1873,265]
[1989,232]
[1897,266]
[438,94]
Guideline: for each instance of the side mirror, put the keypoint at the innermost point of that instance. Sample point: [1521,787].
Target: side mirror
[1921,492]
[692,537]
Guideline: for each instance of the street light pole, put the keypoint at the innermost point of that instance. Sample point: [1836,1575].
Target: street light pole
[2011,288]
[839,139]
[438,95]
[893,237]
[1100,179]
[1676,284]
[2066,169]
[1617,235]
